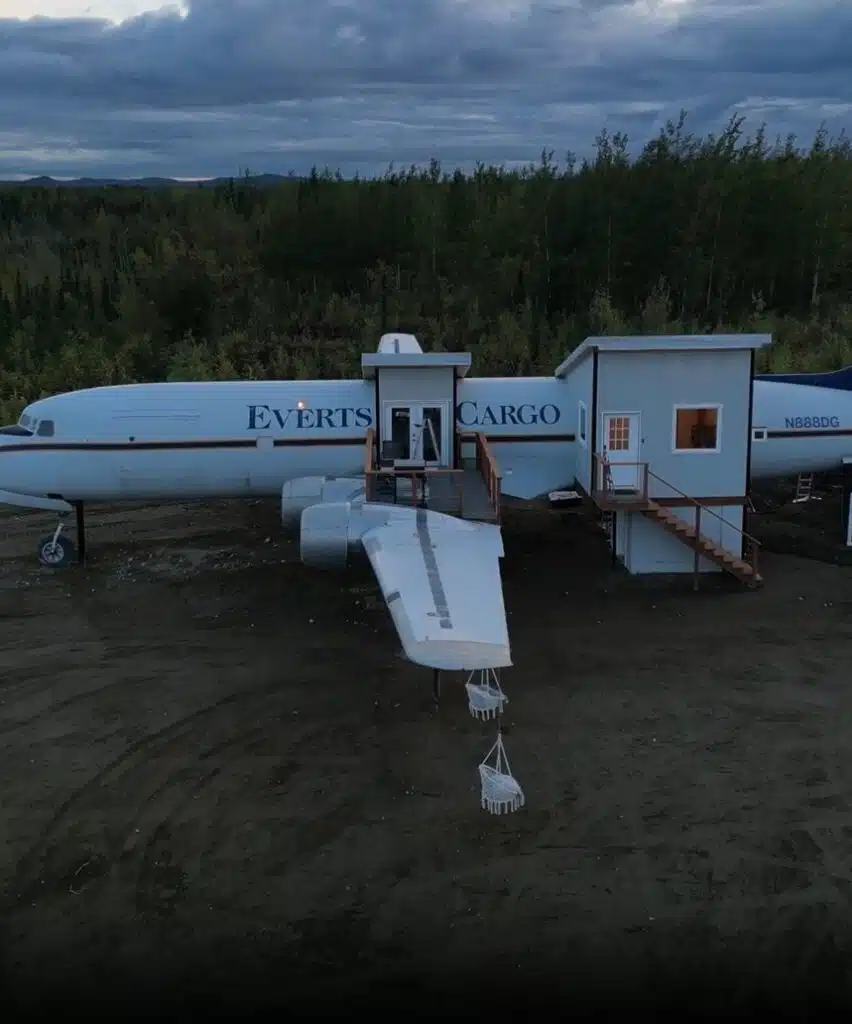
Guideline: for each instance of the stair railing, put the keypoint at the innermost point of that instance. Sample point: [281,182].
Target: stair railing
[751,545]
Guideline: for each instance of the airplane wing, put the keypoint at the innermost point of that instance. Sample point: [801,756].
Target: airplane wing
[28,501]
[442,586]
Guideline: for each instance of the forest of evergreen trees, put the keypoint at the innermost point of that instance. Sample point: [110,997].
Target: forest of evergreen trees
[727,232]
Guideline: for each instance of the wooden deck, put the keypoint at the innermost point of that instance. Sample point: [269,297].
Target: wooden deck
[619,501]
[463,494]
[472,491]
[467,498]
[609,498]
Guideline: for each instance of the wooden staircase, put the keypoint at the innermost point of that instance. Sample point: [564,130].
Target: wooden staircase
[702,545]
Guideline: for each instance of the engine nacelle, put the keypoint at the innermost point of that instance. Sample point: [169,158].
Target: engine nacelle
[332,532]
[302,493]
[325,540]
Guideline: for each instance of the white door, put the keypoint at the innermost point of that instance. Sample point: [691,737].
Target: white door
[621,447]
[420,432]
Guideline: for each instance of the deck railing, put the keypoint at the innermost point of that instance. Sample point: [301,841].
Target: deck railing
[606,492]
[440,488]
[750,544]
[419,486]
[609,497]
[486,463]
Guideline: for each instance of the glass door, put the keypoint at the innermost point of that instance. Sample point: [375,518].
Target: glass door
[429,425]
[417,433]
[398,431]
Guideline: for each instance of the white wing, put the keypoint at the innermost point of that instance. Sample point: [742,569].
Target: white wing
[441,580]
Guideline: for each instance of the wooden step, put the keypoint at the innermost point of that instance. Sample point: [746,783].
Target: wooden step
[686,533]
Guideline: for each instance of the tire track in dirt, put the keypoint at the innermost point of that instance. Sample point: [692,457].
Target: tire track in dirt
[150,751]
[45,683]
[62,705]
[160,881]
[93,832]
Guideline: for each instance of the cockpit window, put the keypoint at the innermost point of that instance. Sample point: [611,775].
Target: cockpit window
[24,421]
[45,428]
[16,431]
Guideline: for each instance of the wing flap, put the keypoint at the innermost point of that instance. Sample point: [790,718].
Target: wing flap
[444,592]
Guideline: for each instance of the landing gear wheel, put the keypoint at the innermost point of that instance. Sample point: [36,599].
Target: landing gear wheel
[56,552]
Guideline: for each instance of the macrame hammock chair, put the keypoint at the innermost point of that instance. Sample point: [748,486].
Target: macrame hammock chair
[501,791]
[484,696]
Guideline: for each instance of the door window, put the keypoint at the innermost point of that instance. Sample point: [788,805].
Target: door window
[431,432]
[401,432]
[618,439]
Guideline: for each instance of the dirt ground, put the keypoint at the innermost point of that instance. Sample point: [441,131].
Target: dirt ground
[220,777]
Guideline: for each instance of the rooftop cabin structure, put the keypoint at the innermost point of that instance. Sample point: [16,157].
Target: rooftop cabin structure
[663,448]
[415,451]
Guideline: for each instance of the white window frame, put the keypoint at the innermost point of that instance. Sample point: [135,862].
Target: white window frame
[583,424]
[759,433]
[697,451]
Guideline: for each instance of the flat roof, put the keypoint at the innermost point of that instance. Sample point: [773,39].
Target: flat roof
[373,361]
[661,343]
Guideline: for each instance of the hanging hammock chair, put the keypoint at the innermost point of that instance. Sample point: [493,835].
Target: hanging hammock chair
[501,791]
[484,695]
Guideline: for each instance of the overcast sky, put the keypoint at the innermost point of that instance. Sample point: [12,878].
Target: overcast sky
[209,87]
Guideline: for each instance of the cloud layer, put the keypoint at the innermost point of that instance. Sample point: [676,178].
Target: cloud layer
[280,85]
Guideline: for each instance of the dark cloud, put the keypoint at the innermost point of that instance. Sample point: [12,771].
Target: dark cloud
[276,85]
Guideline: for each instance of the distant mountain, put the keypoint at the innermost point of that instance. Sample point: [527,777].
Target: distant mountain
[46,182]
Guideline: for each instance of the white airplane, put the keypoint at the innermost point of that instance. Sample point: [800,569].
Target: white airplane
[305,442]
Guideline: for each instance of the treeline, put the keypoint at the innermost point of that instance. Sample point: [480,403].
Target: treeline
[727,232]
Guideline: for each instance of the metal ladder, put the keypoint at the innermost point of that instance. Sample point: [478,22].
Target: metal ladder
[804,487]
[605,524]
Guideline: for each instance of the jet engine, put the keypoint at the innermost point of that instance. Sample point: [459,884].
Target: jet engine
[332,531]
[326,541]
[299,494]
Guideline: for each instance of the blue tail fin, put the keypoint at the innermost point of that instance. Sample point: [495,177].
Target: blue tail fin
[840,380]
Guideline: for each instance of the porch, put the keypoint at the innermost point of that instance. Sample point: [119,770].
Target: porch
[628,491]
[469,491]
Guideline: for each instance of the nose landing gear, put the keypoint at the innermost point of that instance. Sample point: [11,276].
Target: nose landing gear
[57,551]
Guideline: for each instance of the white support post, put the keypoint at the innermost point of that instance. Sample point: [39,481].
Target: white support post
[849,525]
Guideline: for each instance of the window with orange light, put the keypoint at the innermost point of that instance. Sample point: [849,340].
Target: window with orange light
[697,428]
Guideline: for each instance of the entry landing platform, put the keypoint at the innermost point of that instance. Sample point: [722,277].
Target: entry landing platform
[610,497]
[471,491]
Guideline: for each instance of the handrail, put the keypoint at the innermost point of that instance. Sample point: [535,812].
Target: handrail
[370,454]
[603,465]
[698,504]
[419,478]
[608,487]
[754,543]
[486,463]
[370,462]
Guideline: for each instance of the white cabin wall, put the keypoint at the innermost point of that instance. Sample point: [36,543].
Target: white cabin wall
[513,412]
[579,385]
[652,384]
[652,549]
[418,386]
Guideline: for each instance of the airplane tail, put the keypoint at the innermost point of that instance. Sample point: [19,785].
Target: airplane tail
[839,380]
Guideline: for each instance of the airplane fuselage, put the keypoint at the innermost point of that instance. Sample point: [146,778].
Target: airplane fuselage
[248,438]
[808,429]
